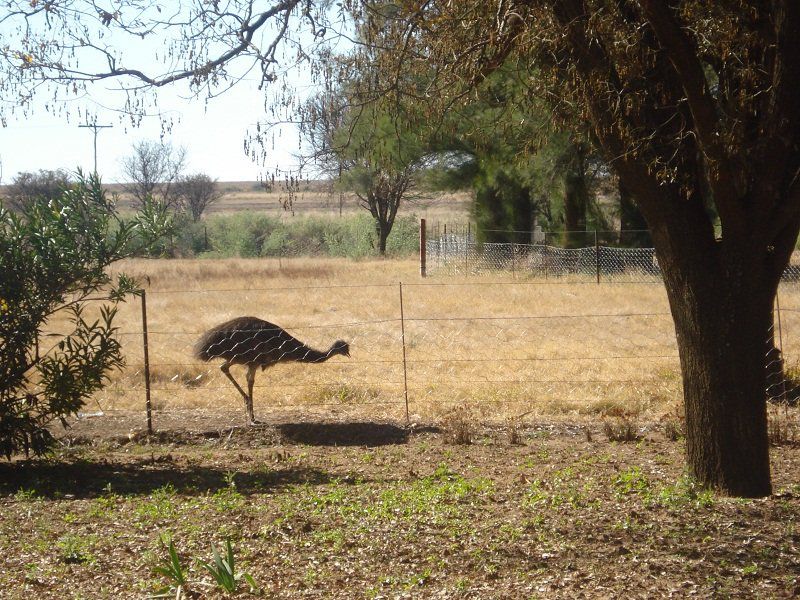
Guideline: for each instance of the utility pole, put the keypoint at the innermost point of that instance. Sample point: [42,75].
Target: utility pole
[95,127]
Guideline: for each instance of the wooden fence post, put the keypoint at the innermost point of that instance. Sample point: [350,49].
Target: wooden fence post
[423,249]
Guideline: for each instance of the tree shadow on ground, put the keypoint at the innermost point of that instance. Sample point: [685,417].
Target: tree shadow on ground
[345,434]
[90,479]
[265,434]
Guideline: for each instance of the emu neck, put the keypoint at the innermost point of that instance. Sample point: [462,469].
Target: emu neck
[311,355]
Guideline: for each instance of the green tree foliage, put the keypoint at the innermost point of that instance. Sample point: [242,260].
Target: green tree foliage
[694,105]
[382,162]
[57,306]
[370,151]
[524,168]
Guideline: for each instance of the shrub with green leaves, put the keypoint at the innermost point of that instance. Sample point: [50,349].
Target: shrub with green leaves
[54,259]
[249,234]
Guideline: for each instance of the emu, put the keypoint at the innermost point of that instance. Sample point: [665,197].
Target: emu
[257,343]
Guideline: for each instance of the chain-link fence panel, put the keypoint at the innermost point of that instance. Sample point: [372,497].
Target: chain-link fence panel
[455,255]
[366,317]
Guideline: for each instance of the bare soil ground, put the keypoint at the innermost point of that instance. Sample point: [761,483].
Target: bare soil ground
[364,509]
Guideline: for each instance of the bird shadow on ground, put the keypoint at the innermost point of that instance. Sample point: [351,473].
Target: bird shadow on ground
[345,434]
[142,476]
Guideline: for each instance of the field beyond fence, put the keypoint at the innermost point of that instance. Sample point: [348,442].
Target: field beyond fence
[501,349]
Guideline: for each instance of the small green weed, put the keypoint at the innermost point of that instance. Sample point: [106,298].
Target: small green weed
[25,495]
[684,492]
[631,481]
[172,570]
[227,499]
[160,507]
[224,570]
[75,549]
[750,570]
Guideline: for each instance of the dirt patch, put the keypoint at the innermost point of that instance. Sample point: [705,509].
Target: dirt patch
[353,509]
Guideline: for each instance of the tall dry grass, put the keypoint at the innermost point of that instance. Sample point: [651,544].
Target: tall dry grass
[503,347]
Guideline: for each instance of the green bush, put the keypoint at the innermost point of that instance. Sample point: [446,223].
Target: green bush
[54,258]
[240,234]
[250,234]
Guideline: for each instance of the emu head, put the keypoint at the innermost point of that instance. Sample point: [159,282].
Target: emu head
[340,347]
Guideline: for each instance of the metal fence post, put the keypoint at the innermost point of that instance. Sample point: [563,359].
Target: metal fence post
[148,405]
[403,340]
[596,257]
[423,248]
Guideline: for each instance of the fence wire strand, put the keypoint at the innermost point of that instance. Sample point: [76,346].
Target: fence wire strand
[547,350]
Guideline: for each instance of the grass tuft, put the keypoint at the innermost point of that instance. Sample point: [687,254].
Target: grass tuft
[459,426]
[621,430]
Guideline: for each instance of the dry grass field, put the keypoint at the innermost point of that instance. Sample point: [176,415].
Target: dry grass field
[502,348]
[545,459]
[498,347]
[316,198]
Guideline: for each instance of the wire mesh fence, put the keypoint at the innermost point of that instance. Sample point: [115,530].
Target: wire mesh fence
[449,256]
[416,350]
[455,252]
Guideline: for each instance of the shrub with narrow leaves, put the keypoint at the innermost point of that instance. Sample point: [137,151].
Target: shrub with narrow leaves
[54,259]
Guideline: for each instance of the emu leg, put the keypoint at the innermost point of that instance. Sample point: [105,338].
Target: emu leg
[225,368]
[251,379]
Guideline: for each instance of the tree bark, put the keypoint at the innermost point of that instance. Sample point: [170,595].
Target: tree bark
[576,199]
[383,235]
[723,311]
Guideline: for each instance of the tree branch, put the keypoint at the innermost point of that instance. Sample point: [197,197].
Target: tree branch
[682,55]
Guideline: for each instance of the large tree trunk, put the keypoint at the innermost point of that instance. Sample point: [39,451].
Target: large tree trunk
[723,311]
[632,226]
[382,229]
[576,199]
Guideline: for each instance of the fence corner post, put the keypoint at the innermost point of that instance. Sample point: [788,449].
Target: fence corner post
[148,404]
[423,249]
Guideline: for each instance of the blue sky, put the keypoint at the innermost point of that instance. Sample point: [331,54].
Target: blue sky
[212,133]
